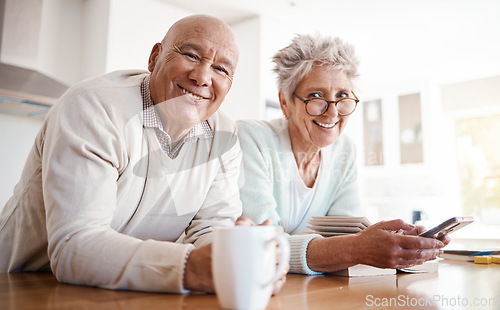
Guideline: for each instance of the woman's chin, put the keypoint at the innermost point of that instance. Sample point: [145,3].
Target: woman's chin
[326,141]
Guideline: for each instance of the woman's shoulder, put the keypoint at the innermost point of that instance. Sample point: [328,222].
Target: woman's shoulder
[261,129]
[265,140]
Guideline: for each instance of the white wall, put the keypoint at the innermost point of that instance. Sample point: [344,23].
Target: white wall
[245,97]
[119,34]
[134,27]
[94,38]
[60,40]
[259,38]
[21,26]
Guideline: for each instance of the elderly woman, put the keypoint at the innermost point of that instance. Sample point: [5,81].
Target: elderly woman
[301,166]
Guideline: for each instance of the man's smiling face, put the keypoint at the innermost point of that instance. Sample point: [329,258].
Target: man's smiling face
[192,69]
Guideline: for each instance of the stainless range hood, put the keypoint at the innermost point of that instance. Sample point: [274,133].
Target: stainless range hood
[27,92]
[23,91]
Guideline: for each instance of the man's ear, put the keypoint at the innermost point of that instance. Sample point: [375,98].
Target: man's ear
[285,106]
[154,56]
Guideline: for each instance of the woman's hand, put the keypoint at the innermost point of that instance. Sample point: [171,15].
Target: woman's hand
[395,244]
[391,244]
[420,229]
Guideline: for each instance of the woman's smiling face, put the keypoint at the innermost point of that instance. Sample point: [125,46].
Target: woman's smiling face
[314,132]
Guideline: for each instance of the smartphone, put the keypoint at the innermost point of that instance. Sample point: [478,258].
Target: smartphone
[448,226]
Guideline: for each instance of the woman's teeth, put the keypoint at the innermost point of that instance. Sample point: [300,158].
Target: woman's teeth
[192,95]
[325,125]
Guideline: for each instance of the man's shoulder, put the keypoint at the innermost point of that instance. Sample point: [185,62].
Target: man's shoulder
[114,95]
[221,122]
[118,86]
[115,79]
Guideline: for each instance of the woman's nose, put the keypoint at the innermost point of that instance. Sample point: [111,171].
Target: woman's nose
[332,110]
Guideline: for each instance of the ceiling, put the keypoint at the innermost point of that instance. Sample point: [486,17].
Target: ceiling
[446,40]
[233,11]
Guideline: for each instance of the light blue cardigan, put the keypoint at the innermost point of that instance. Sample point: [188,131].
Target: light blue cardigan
[265,188]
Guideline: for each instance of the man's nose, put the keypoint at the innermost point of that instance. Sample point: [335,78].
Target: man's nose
[201,74]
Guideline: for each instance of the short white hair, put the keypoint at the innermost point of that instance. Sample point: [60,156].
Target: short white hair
[296,60]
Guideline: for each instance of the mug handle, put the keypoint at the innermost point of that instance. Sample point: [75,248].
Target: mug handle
[285,257]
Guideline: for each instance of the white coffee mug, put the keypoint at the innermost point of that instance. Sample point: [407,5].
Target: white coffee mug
[244,265]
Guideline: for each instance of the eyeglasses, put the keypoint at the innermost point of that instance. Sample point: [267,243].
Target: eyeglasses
[318,106]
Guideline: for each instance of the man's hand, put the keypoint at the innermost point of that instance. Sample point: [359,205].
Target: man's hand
[198,273]
[245,221]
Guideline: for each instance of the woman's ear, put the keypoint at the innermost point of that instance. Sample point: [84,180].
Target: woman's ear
[154,55]
[285,106]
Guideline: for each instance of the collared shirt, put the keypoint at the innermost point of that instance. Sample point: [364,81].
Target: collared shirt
[152,119]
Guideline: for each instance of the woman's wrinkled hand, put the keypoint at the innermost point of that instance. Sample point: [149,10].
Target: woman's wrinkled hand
[396,244]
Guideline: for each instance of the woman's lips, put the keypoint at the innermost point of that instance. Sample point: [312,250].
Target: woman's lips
[326,125]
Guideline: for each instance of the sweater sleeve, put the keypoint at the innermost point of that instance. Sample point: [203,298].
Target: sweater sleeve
[82,154]
[298,251]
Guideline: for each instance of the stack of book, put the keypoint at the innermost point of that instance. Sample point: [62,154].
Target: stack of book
[365,270]
[465,255]
[328,226]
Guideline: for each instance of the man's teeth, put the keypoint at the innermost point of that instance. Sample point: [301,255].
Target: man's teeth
[326,125]
[191,94]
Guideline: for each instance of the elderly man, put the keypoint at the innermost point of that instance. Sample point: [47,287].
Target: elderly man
[126,164]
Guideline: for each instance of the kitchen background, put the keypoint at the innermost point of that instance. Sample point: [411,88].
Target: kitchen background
[427,127]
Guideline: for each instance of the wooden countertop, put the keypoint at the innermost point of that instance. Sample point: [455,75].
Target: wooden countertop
[457,285]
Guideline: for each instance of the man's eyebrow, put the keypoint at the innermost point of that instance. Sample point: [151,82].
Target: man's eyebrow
[189,46]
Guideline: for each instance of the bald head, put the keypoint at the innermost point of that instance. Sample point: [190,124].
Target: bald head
[209,27]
